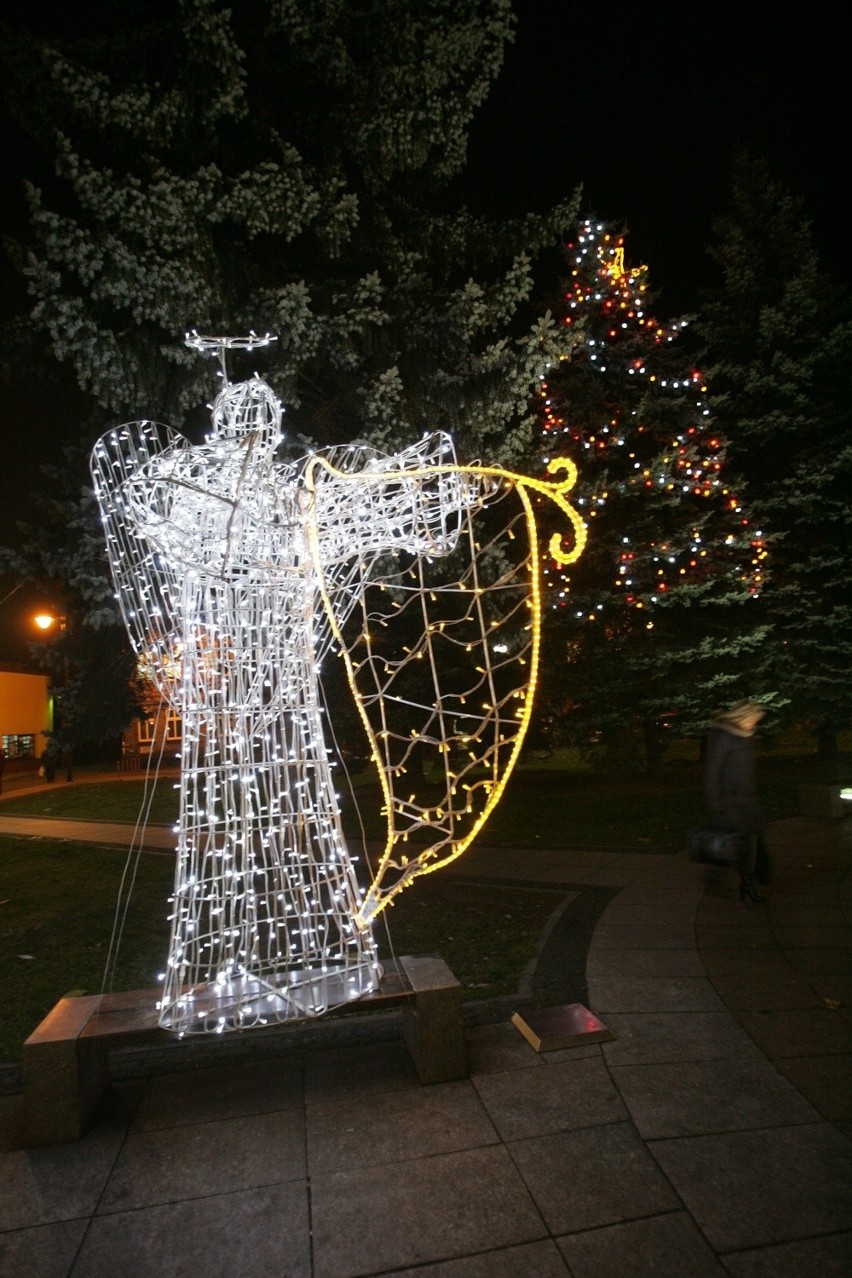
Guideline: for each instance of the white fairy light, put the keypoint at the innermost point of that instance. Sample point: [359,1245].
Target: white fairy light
[236,575]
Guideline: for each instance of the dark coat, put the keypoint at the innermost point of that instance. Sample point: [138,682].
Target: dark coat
[729,783]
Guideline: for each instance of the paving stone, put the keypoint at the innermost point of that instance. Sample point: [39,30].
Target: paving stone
[667,1246]
[224,1091]
[597,1176]
[754,967]
[791,912]
[653,994]
[711,934]
[57,1182]
[539,1259]
[691,1097]
[672,870]
[815,886]
[567,1095]
[575,1052]
[750,1189]
[720,884]
[816,962]
[791,936]
[206,1159]
[837,992]
[784,1031]
[412,1124]
[644,963]
[363,1070]
[640,892]
[667,915]
[491,1049]
[721,896]
[643,934]
[563,874]
[47,1251]
[827,1257]
[648,1037]
[11,1118]
[264,1232]
[826,1081]
[749,981]
[611,876]
[429,1210]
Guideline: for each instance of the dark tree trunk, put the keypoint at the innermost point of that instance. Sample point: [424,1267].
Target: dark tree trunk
[826,736]
[653,747]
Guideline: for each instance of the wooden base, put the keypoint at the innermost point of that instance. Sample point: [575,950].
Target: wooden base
[66,1058]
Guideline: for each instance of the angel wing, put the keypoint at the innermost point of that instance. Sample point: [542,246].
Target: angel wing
[171,508]
[147,587]
[442,660]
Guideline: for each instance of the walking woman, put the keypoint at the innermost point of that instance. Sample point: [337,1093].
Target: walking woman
[729,785]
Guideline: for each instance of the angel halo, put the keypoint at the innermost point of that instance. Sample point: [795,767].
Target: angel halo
[237,575]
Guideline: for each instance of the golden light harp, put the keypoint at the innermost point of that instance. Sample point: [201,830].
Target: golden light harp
[443,658]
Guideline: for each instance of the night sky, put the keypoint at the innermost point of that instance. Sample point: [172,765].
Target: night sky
[644,105]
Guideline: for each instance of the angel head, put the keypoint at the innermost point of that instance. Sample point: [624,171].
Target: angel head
[247,408]
[241,409]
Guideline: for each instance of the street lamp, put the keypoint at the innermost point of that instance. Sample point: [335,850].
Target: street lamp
[53,626]
[47,620]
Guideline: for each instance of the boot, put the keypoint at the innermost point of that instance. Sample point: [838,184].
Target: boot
[747,889]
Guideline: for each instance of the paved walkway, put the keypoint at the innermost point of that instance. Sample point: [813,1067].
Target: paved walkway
[710,1137]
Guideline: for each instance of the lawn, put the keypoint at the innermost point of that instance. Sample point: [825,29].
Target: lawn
[57,910]
[555,802]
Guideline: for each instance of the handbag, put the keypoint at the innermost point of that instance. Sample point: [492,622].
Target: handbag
[714,847]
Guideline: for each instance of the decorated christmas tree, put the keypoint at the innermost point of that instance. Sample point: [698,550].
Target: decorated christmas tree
[653,623]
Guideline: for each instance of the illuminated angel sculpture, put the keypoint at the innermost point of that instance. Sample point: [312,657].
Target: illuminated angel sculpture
[237,575]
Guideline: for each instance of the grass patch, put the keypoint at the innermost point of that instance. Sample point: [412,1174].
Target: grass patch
[556,802]
[486,935]
[56,919]
[82,800]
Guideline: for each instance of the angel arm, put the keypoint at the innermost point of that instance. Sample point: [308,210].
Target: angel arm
[415,501]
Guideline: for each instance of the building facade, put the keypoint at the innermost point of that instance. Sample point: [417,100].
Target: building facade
[26,712]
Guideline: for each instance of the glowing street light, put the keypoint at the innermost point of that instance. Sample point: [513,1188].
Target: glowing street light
[47,620]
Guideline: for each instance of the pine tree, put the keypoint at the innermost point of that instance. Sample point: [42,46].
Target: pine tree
[777,340]
[282,167]
[658,614]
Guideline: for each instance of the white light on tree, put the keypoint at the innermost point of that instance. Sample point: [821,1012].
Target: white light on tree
[238,575]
